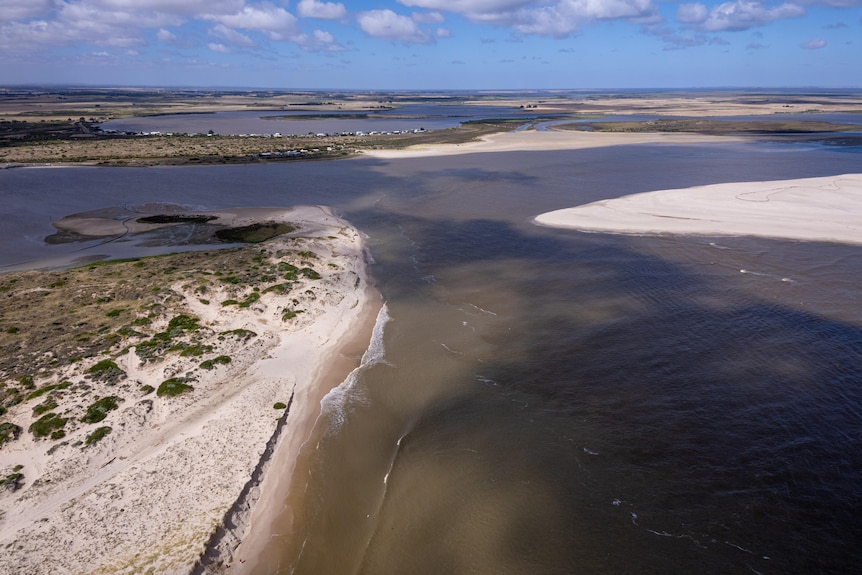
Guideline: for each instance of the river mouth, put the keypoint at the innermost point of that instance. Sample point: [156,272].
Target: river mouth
[558,400]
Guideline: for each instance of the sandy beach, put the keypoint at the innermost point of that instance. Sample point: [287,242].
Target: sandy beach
[826,209]
[176,476]
[546,141]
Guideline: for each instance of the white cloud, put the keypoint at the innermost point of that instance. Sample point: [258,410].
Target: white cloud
[231,36]
[557,18]
[187,8]
[691,13]
[428,17]
[324,10]
[220,48]
[166,36]
[735,16]
[260,17]
[834,3]
[387,25]
[25,9]
[814,44]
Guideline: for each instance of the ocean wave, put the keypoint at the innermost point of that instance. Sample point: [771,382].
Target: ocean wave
[334,405]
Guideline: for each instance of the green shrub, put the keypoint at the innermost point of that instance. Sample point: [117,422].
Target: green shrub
[106,370]
[173,386]
[212,363]
[147,389]
[240,333]
[12,481]
[26,381]
[8,432]
[98,410]
[310,273]
[290,314]
[253,297]
[12,330]
[279,405]
[228,302]
[114,312]
[45,406]
[47,424]
[97,435]
[196,350]
[43,390]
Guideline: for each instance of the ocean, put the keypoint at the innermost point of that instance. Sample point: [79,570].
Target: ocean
[551,401]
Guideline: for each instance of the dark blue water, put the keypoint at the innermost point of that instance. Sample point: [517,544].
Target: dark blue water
[298,122]
[552,401]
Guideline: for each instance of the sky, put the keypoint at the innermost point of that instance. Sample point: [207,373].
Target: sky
[432,44]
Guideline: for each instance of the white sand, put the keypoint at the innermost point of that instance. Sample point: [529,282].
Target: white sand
[540,141]
[827,209]
[148,497]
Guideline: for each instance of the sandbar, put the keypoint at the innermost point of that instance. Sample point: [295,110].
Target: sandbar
[545,141]
[823,209]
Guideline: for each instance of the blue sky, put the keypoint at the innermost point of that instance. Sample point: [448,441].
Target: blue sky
[432,44]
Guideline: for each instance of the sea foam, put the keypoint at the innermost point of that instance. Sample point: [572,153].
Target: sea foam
[334,405]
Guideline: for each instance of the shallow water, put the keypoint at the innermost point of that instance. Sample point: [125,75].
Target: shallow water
[552,401]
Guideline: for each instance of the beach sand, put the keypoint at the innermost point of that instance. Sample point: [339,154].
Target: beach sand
[825,209]
[178,476]
[546,140]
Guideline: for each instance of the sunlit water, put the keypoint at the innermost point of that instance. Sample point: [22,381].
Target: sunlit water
[549,401]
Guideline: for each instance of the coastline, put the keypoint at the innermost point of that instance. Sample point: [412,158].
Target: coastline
[133,501]
[824,209]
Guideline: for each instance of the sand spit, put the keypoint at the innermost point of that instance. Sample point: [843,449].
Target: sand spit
[827,209]
[173,474]
[544,141]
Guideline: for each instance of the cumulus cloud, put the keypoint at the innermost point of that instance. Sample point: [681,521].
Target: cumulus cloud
[834,3]
[558,18]
[231,36]
[323,10]
[735,16]
[166,36]
[25,9]
[387,25]
[427,17]
[220,48]
[814,44]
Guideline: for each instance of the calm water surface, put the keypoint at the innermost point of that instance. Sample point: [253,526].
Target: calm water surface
[550,401]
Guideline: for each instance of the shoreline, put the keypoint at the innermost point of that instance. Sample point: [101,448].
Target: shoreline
[132,501]
[823,209]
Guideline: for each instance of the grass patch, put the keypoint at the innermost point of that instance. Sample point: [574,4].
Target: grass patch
[47,425]
[98,435]
[8,432]
[212,363]
[106,370]
[253,297]
[98,410]
[45,406]
[196,350]
[173,386]
[244,334]
[43,390]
